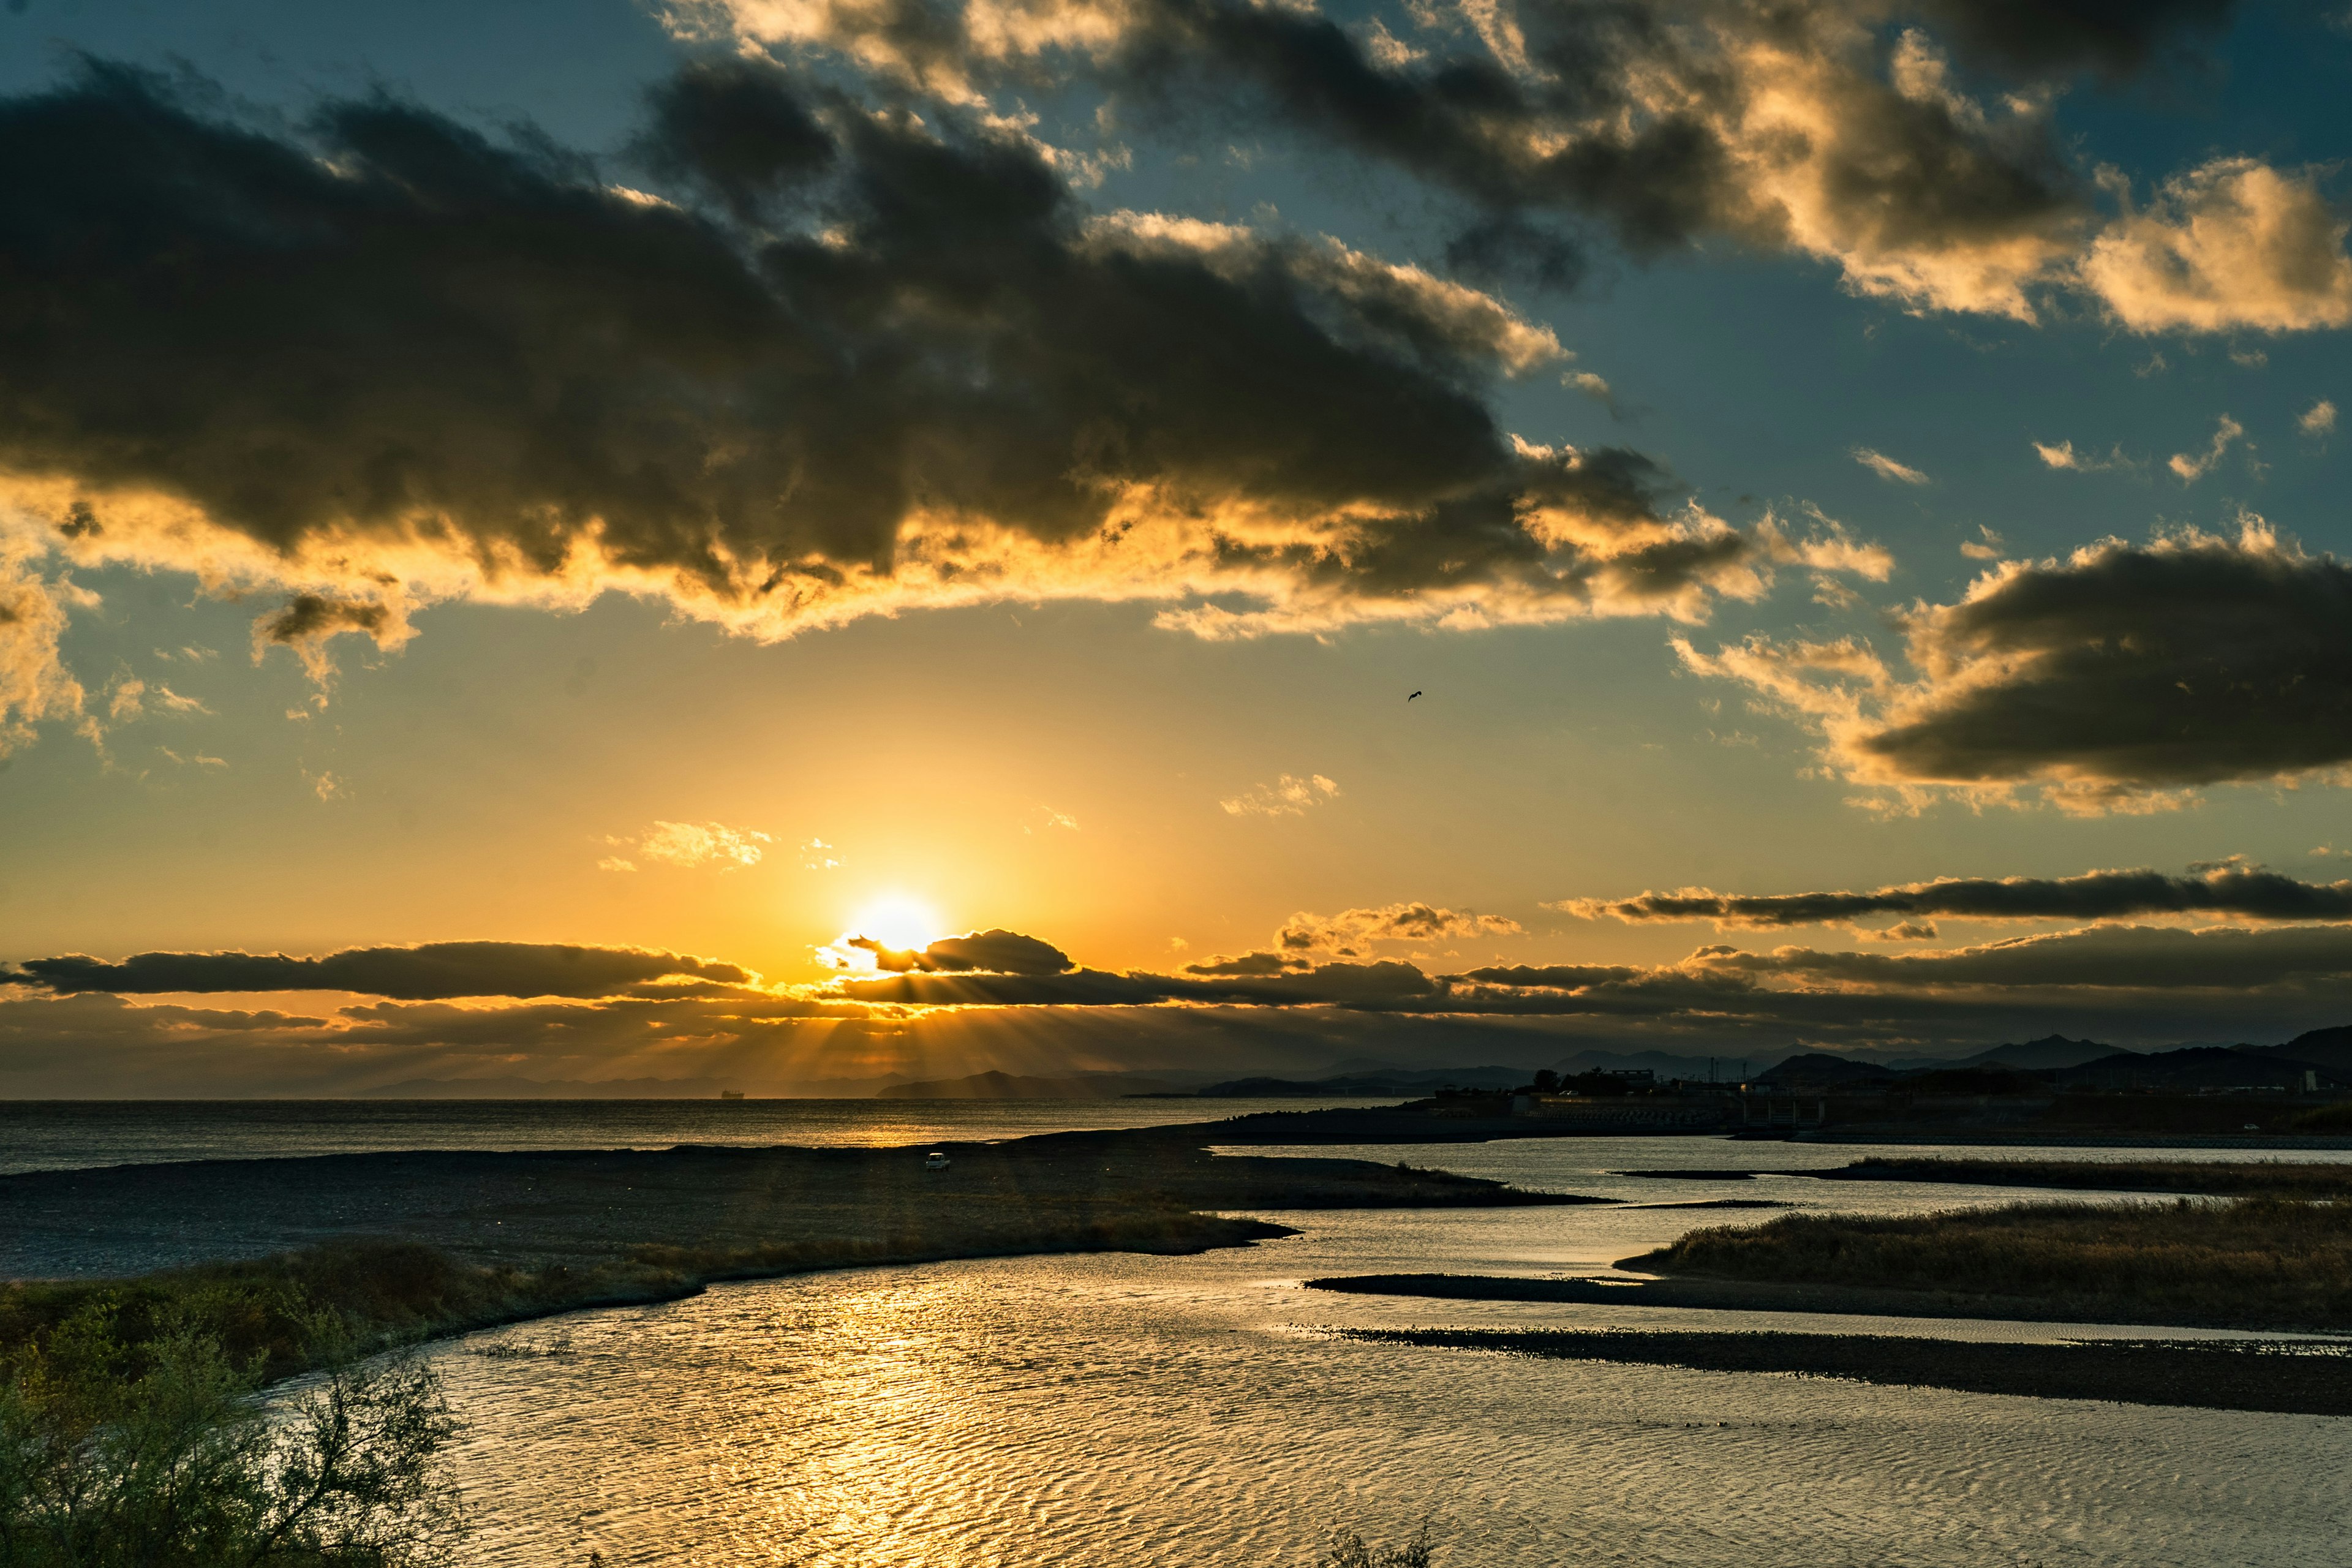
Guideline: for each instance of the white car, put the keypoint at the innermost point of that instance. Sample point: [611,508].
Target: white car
[935,1161]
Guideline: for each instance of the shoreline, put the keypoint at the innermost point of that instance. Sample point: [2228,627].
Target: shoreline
[534,1208]
[419,1245]
[2269,1377]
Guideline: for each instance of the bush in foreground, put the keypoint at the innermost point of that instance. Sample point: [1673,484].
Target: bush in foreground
[160,1452]
[1348,1549]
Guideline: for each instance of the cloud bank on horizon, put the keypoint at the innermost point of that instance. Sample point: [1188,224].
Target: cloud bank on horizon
[1004,999]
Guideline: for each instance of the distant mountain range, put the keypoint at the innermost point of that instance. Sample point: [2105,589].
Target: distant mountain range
[2326,1054]
[2039,1055]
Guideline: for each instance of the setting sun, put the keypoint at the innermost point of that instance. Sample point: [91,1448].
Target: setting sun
[897,922]
[933,670]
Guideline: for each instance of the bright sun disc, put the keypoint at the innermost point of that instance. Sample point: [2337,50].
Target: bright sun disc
[899,923]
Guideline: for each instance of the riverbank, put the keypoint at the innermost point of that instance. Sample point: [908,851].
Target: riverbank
[2277,1377]
[2258,1245]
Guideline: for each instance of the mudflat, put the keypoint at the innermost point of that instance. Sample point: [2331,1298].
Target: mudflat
[1145,1188]
[2284,1377]
[1715,1295]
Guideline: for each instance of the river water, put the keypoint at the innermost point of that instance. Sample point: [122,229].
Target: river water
[1128,1411]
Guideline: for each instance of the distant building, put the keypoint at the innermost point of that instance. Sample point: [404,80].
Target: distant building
[1649,1112]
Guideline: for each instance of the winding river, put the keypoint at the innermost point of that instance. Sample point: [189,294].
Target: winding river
[1126,1411]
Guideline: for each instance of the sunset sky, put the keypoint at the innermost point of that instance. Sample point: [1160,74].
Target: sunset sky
[700,482]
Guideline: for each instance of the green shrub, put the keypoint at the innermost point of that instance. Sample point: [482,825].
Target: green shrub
[159,1451]
[1347,1550]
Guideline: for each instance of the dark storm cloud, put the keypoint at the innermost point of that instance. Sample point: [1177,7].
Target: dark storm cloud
[2114,675]
[1828,126]
[1462,120]
[722,126]
[105,1045]
[2230,889]
[995,951]
[433,970]
[2112,36]
[1554,976]
[308,622]
[1342,984]
[1252,964]
[2181,664]
[2153,959]
[390,347]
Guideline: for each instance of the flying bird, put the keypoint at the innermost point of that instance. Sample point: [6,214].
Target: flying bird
[1410,699]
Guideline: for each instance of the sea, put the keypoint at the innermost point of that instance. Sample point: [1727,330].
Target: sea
[1126,1411]
[73,1134]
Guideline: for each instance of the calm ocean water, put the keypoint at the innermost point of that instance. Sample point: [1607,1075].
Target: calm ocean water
[57,1135]
[1197,1411]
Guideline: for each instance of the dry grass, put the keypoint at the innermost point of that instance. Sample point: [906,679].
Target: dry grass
[262,1310]
[2235,1178]
[2256,1262]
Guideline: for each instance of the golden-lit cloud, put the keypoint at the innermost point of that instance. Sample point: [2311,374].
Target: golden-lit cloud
[1353,933]
[1307,939]
[2062,455]
[2232,886]
[1887,469]
[2190,466]
[35,684]
[690,846]
[1835,129]
[2232,245]
[1287,795]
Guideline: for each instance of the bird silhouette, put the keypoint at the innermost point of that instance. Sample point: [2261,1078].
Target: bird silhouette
[1410,699]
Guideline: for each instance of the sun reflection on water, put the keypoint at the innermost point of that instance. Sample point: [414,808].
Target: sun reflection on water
[1125,1410]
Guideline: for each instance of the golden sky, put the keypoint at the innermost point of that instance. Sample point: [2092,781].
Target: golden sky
[761,475]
